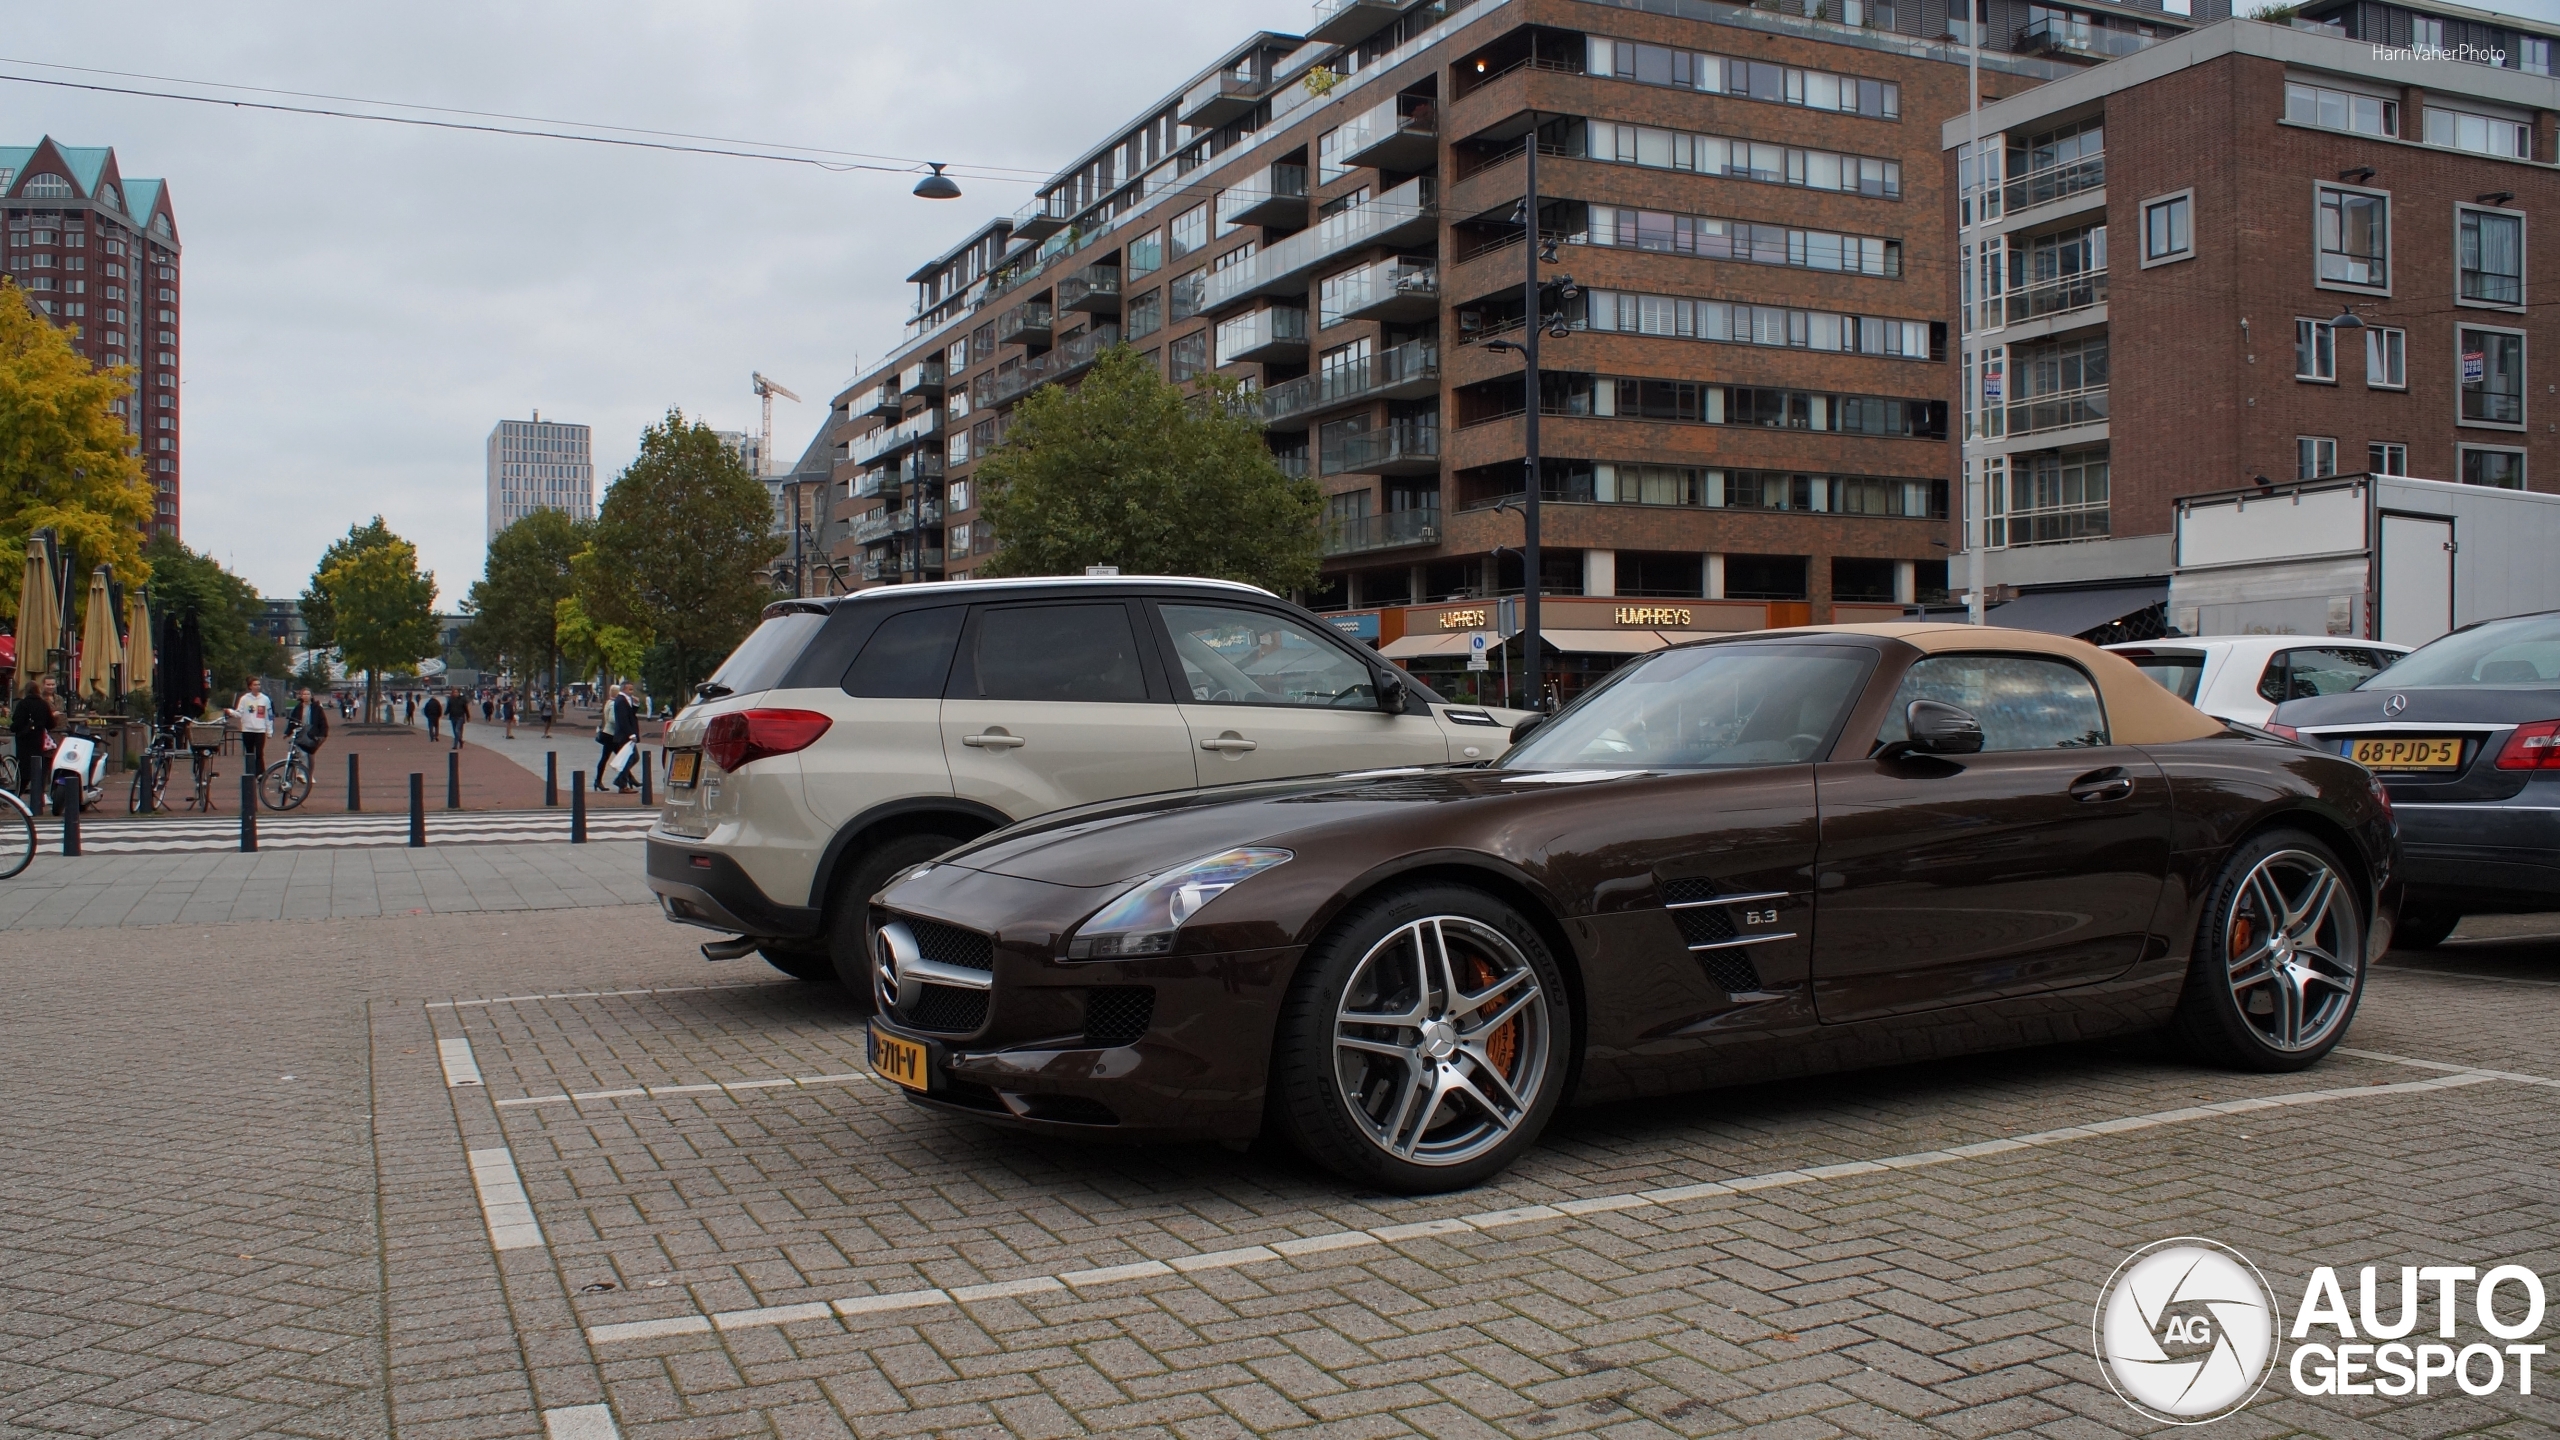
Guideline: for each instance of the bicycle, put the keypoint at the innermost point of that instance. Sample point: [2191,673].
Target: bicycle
[17,835]
[287,783]
[150,790]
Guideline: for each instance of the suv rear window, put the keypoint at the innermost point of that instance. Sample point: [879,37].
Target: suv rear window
[765,656]
[908,657]
[2178,672]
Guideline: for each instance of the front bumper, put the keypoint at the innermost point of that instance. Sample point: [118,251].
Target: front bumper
[2494,857]
[699,886]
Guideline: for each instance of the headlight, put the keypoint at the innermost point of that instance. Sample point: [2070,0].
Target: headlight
[1142,921]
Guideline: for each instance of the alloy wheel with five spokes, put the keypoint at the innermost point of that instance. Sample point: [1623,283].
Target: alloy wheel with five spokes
[1441,1040]
[2285,950]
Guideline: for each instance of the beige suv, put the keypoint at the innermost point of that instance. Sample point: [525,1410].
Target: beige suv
[849,738]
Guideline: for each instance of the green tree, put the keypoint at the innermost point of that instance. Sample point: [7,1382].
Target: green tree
[227,609]
[319,607]
[383,611]
[593,651]
[679,542]
[1127,470]
[515,605]
[66,459]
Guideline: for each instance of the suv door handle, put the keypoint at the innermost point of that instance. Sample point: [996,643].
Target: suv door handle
[2102,785]
[994,740]
[1229,744]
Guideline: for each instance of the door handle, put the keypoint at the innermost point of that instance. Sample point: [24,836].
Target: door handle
[1229,745]
[2102,786]
[994,740]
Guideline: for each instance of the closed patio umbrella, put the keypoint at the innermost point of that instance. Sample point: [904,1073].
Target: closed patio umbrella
[137,641]
[39,611]
[100,650]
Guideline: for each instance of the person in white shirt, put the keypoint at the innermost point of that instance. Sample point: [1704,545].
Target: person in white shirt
[256,715]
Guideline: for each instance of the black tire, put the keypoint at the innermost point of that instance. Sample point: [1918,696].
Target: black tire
[798,964]
[17,839]
[2288,997]
[2423,927]
[849,908]
[1346,1093]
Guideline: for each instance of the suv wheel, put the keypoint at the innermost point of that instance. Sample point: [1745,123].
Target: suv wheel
[849,908]
[799,964]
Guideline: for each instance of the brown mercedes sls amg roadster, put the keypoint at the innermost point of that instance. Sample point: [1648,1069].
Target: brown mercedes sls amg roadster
[1736,860]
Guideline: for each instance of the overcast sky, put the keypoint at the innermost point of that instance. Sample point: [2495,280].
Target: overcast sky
[365,301]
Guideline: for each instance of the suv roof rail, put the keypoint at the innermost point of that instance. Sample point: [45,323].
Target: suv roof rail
[885,592]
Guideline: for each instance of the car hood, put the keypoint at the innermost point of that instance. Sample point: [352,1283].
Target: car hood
[1123,840]
[2445,704]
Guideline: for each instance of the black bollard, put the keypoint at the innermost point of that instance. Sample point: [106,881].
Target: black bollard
[550,779]
[645,801]
[248,814]
[417,808]
[355,793]
[66,802]
[453,779]
[577,807]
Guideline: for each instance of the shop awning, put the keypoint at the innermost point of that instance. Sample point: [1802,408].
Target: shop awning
[1415,647]
[2075,612]
[1603,642]
[1567,642]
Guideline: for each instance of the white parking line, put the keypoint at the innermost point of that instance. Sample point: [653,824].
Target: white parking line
[655,1091]
[2480,1070]
[459,1068]
[580,1422]
[1078,1280]
[502,1201]
[592,995]
[2466,975]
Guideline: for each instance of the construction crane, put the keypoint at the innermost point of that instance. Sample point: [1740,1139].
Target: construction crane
[765,391]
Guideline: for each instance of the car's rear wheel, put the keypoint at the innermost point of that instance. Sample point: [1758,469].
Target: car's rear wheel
[1425,1042]
[2422,927]
[2280,964]
[849,908]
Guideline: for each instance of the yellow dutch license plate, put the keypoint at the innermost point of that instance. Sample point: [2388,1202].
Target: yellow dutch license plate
[682,766]
[2406,753]
[901,1062]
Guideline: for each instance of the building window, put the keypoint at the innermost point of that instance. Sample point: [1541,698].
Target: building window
[1190,231]
[2492,251]
[2315,351]
[2314,456]
[1185,295]
[1146,254]
[2338,110]
[1329,166]
[1190,355]
[1146,315]
[2168,228]
[2381,457]
[2492,375]
[2386,358]
[2056,496]
[2480,134]
[2354,238]
[2499,469]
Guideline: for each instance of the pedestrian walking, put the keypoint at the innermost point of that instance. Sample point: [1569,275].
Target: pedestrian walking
[255,714]
[488,706]
[507,712]
[620,727]
[31,724]
[456,713]
[435,716]
[413,707]
[549,707]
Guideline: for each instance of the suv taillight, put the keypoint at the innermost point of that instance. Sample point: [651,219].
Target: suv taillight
[2532,747]
[744,735]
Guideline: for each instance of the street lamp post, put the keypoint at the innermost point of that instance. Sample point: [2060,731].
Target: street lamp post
[1533,661]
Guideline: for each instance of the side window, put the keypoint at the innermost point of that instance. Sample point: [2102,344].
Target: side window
[2271,682]
[1074,654]
[908,657]
[2025,702]
[2323,671]
[1246,657]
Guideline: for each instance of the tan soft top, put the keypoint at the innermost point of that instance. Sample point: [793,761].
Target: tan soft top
[2139,711]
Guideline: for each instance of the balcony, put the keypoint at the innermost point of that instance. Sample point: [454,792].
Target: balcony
[1093,289]
[923,378]
[1039,220]
[1401,290]
[1222,97]
[1401,134]
[915,562]
[1068,360]
[1348,22]
[867,484]
[1278,196]
[1399,530]
[2056,297]
[1402,216]
[2056,182]
[1025,324]
[1277,335]
[894,439]
[1292,463]
[1408,372]
[872,527]
[1404,447]
[923,467]
[2062,410]
[880,399]
[2077,41]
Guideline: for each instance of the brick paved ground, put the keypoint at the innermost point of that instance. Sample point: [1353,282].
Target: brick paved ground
[238,1196]
[222,888]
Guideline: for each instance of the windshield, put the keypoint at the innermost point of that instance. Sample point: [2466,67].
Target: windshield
[765,656]
[2521,651]
[1714,705]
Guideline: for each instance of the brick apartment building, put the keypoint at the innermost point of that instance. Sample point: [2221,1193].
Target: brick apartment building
[1747,423]
[2262,184]
[98,253]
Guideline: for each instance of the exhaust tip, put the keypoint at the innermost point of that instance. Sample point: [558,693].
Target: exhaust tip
[730,949]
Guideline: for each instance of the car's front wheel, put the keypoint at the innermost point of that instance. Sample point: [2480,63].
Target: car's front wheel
[1425,1042]
[2280,963]
[2422,927]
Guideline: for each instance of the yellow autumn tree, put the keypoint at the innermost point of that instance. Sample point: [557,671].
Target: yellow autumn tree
[66,460]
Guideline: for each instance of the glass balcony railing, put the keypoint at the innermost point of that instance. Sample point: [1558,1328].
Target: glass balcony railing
[1403,215]
[1095,287]
[1278,196]
[1347,22]
[1401,447]
[1279,332]
[1072,357]
[1409,371]
[880,399]
[2056,297]
[2056,182]
[922,378]
[1025,324]
[2050,36]
[1400,133]
[1399,289]
[891,439]
[1292,463]
[1393,531]
[1222,97]
[2030,414]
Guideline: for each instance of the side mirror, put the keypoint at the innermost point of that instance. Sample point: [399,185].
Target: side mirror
[1527,728]
[1391,693]
[1937,728]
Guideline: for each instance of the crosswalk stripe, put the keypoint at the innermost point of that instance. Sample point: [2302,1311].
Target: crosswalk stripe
[291,832]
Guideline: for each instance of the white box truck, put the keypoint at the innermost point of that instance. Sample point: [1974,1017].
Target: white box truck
[2379,557]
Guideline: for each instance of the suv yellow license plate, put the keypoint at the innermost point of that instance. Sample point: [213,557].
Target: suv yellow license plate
[901,1062]
[682,766]
[2411,753]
